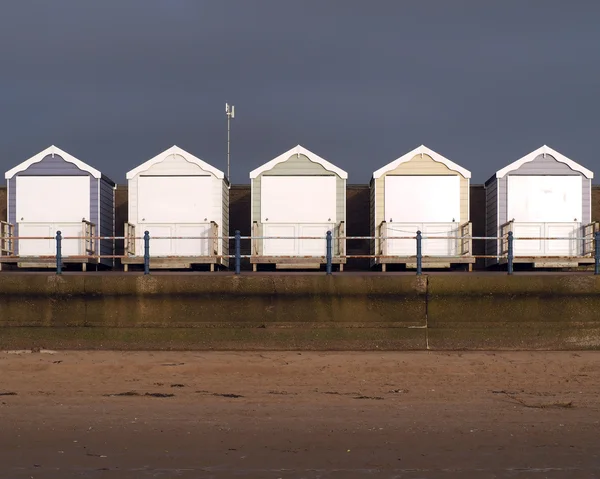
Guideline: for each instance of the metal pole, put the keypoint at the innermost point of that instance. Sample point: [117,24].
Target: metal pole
[146,252]
[238,251]
[58,252]
[597,252]
[328,240]
[510,252]
[228,153]
[419,255]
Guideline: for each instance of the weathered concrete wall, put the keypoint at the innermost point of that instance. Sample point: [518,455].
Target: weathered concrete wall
[526,311]
[392,312]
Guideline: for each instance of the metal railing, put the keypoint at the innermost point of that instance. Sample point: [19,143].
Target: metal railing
[591,238]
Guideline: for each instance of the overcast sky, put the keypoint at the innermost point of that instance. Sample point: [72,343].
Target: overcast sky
[360,83]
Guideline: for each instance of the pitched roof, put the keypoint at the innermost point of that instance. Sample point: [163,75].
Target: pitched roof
[299,150]
[422,150]
[52,150]
[544,150]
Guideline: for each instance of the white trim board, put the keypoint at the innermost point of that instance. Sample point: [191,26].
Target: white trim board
[422,150]
[175,150]
[52,150]
[299,150]
[544,150]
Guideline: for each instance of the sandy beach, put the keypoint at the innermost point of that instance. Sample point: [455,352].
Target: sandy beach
[299,415]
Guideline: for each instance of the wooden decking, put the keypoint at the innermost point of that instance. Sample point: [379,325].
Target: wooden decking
[299,262]
[174,262]
[427,261]
[46,262]
[551,261]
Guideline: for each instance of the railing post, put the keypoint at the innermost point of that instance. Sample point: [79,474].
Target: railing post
[238,251]
[146,252]
[328,240]
[510,252]
[597,252]
[58,252]
[419,255]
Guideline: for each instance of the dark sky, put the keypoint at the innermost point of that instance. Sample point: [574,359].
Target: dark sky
[358,82]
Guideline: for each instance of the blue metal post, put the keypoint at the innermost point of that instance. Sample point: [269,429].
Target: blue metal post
[58,252]
[328,253]
[146,252]
[238,251]
[419,254]
[597,252]
[510,252]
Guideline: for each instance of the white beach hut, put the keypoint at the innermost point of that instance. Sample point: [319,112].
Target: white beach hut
[54,191]
[183,200]
[542,195]
[421,191]
[297,195]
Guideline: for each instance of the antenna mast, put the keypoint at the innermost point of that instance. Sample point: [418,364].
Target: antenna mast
[230,112]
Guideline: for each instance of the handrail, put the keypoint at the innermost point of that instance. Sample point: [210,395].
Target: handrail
[383,235]
[214,229]
[130,238]
[504,230]
[341,238]
[466,242]
[88,243]
[589,234]
[7,233]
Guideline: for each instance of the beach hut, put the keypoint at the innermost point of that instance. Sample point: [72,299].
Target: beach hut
[421,191]
[542,195]
[297,195]
[184,203]
[54,191]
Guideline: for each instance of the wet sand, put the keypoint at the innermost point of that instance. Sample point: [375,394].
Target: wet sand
[299,415]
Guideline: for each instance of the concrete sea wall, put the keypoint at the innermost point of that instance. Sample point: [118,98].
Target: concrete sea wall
[282,312]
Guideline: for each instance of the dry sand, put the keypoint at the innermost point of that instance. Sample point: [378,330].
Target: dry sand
[299,415]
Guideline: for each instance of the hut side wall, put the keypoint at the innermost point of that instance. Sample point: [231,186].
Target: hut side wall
[50,165]
[298,165]
[491,218]
[224,226]
[419,165]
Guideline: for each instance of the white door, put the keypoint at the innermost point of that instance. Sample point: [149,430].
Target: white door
[172,240]
[47,204]
[439,239]
[402,247]
[200,245]
[422,199]
[296,207]
[298,199]
[295,240]
[531,247]
[545,199]
[36,247]
[280,247]
[563,247]
[547,247]
[315,247]
[177,208]
[174,199]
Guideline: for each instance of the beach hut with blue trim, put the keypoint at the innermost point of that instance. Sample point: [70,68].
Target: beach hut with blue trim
[54,191]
